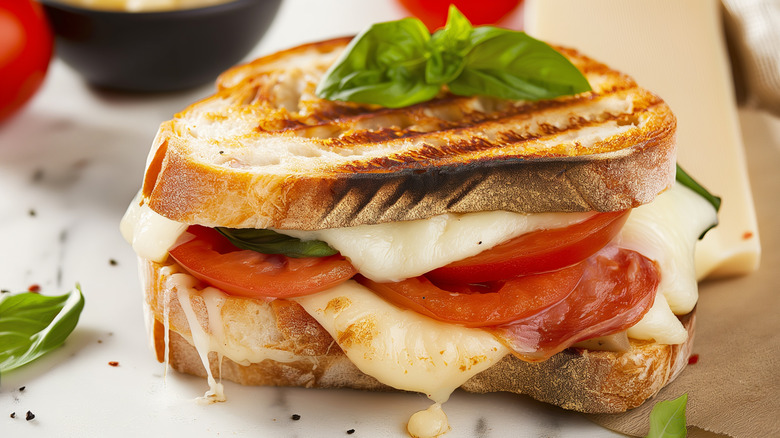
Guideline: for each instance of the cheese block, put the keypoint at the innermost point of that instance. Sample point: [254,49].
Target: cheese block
[687,65]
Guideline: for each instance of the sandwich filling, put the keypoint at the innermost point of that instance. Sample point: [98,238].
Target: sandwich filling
[388,334]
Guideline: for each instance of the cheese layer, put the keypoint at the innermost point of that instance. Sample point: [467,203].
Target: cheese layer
[399,250]
[400,347]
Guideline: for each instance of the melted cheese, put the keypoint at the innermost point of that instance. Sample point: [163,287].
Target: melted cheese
[400,347]
[667,231]
[399,250]
[202,342]
[150,234]
[429,423]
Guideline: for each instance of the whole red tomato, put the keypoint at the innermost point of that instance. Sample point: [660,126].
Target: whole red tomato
[434,12]
[25,51]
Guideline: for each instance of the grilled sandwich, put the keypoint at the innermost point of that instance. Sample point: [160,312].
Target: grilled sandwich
[398,201]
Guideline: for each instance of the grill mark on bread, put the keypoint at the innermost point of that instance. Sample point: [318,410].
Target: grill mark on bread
[426,154]
[343,122]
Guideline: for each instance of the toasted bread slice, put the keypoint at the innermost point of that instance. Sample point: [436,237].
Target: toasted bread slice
[265,152]
[294,350]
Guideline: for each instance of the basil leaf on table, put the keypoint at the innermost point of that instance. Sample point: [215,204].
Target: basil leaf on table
[271,242]
[32,325]
[667,420]
[398,63]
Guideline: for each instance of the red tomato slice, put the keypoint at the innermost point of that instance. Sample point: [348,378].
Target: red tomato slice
[527,297]
[481,305]
[617,289]
[534,252]
[211,258]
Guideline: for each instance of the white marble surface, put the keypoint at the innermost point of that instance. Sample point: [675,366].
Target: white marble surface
[69,164]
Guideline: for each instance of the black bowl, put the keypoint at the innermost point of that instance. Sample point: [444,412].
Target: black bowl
[157,51]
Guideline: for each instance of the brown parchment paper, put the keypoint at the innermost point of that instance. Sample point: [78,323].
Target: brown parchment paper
[734,388]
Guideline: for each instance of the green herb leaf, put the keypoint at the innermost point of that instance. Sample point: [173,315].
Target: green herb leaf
[32,325]
[512,65]
[449,47]
[686,180]
[399,63]
[667,420]
[384,65]
[271,242]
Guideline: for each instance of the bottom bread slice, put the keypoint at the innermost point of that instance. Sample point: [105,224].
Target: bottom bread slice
[577,379]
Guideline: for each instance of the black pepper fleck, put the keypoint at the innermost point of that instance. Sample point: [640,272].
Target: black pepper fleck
[295,417]
[350,432]
[112,262]
[32,213]
[479,243]
[221,152]
[21,388]
[29,416]
[5,291]
[13,414]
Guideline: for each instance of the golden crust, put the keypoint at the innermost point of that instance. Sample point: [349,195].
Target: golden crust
[265,152]
[575,379]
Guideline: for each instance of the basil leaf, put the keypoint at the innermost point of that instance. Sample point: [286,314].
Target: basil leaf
[399,63]
[449,47]
[513,65]
[686,180]
[384,64]
[667,420]
[32,325]
[271,242]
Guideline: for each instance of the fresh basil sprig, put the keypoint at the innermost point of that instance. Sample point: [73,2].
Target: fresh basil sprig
[667,420]
[686,180]
[32,325]
[399,63]
[271,242]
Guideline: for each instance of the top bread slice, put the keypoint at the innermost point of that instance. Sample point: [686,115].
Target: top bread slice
[265,152]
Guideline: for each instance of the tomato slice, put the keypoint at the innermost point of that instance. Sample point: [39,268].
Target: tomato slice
[616,291]
[211,258]
[534,252]
[481,305]
[527,297]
